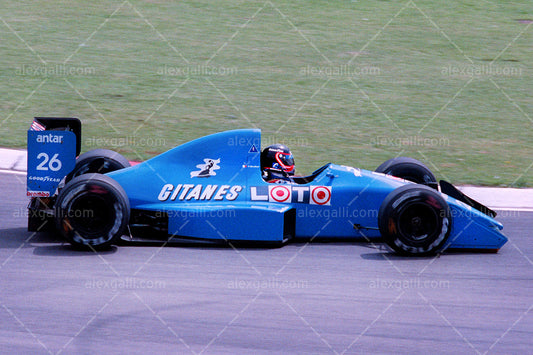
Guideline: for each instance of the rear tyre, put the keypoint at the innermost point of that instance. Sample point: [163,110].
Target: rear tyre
[409,169]
[98,161]
[92,211]
[415,220]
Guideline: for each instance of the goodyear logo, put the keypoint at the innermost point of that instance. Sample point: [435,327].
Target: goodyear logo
[314,195]
[188,192]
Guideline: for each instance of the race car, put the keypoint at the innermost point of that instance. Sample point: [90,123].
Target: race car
[211,189]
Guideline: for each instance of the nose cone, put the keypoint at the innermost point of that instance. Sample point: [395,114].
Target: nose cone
[472,229]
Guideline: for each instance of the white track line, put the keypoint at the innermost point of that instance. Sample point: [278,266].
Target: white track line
[14,172]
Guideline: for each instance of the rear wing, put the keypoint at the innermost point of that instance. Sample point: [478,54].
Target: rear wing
[53,144]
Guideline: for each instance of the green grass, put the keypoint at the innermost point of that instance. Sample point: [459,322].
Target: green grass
[415,91]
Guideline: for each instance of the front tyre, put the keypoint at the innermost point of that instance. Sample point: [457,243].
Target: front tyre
[415,220]
[92,211]
[409,169]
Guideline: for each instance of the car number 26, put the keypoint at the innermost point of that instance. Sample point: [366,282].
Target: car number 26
[48,163]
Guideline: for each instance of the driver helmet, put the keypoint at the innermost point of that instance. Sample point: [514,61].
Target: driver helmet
[277,158]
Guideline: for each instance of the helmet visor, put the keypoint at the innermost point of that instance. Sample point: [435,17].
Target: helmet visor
[286,160]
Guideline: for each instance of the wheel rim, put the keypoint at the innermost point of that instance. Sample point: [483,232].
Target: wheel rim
[91,215]
[418,222]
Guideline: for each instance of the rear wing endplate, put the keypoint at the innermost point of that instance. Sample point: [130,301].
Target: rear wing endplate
[53,144]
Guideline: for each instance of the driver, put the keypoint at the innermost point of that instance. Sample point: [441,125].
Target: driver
[277,164]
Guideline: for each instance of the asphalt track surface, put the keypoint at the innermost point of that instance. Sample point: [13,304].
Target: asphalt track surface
[320,297]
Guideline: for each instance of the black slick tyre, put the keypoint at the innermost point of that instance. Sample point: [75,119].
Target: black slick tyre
[92,211]
[98,161]
[408,169]
[415,220]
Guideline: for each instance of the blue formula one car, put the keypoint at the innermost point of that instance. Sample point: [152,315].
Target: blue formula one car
[212,189]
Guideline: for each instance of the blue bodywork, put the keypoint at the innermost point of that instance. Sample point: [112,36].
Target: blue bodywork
[211,188]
